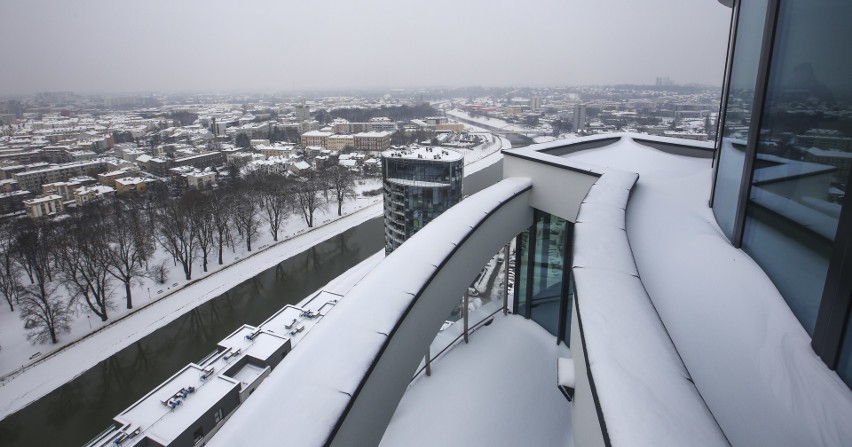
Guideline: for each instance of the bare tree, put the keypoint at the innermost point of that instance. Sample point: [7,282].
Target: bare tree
[46,314]
[307,197]
[83,257]
[246,210]
[342,184]
[222,212]
[10,287]
[176,234]
[274,198]
[130,244]
[201,217]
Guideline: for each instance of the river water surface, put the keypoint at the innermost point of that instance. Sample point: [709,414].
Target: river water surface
[74,413]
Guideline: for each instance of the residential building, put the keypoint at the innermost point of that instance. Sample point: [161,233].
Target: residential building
[299,167]
[419,184]
[315,138]
[579,117]
[86,194]
[108,178]
[382,124]
[31,180]
[12,201]
[201,161]
[340,142]
[131,184]
[44,206]
[372,141]
[535,103]
[201,180]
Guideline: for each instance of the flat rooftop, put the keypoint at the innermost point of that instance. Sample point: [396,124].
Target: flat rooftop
[424,153]
[163,423]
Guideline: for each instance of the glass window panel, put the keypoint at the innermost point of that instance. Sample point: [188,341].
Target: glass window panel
[749,37]
[547,271]
[520,307]
[804,152]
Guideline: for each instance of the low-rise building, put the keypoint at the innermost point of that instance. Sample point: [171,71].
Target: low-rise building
[108,178]
[131,184]
[372,141]
[31,180]
[276,150]
[315,138]
[88,194]
[299,167]
[13,201]
[340,142]
[201,180]
[201,161]
[44,206]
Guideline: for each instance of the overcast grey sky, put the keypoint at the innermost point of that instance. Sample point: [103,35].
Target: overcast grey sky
[120,46]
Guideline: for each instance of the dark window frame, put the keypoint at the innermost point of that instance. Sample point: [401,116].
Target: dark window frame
[835,309]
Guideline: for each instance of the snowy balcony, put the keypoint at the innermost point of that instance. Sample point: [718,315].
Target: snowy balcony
[676,337]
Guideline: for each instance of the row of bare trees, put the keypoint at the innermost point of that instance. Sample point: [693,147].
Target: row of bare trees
[109,244]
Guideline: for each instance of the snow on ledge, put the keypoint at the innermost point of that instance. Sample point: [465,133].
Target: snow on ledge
[304,397]
[645,393]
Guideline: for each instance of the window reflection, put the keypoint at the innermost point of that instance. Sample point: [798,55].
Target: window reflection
[749,36]
[804,152]
[543,251]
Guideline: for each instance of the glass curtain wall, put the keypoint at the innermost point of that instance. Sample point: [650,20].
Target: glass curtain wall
[542,291]
[738,106]
[804,151]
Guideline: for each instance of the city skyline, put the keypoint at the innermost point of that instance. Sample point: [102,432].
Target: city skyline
[101,47]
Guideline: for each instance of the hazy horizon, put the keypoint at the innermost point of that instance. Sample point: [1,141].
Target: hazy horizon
[96,46]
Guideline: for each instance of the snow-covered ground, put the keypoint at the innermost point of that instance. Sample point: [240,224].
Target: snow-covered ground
[91,341]
[498,390]
[26,379]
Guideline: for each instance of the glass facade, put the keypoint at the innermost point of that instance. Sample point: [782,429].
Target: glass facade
[416,191]
[803,154]
[543,291]
[738,107]
[787,131]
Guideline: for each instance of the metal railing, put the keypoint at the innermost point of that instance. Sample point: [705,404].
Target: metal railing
[470,321]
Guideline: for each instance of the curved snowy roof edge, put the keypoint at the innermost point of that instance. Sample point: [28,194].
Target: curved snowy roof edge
[344,381]
[637,389]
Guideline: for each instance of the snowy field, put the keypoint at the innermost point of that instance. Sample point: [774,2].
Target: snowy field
[28,372]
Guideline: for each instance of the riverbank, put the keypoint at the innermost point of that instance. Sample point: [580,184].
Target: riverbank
[31,382]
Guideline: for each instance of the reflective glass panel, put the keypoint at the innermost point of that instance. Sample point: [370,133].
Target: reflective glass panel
[749,36]
[804,152]
[547,271]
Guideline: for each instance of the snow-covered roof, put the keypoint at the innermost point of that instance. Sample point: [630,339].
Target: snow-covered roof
[316,133]
[376,134]
[743,348]
[424,153]
[162,423]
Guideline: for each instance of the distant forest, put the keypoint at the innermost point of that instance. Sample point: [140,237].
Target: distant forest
[395,113]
